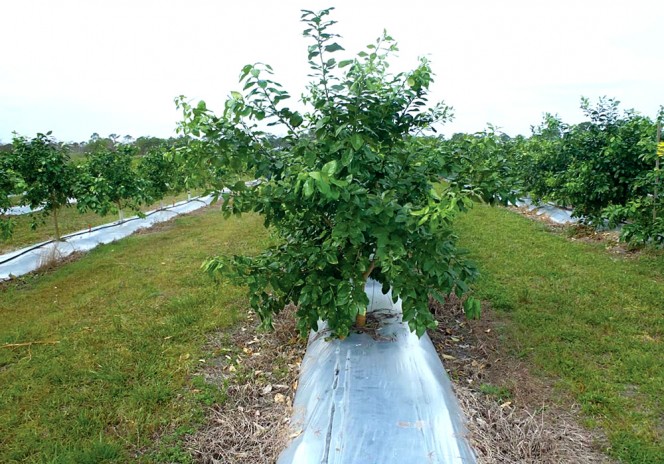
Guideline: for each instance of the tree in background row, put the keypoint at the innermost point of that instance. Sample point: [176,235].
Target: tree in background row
[345,192]
[107,182]
[111,178]
[485,163]
[47,175]
[643,214]
[10,184]
[594,164]
[160,174]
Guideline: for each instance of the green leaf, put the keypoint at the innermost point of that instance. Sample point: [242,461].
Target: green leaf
[333,47]
[308,188]
[296,120]
[472,308]
[339,182]
[356,141]
[245,70]
[347,157]
[330,168]
[324,187]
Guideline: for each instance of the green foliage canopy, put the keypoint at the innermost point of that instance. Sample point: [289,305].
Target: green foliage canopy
[346,191]
[107,181]
[159,172]
[592,165]
[486,163]
[47,176]
[10,184]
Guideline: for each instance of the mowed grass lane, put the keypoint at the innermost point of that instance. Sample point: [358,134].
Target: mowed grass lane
[592,319]
[128,323]
[69,220]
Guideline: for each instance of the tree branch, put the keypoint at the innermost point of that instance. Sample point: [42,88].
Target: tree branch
[368,272]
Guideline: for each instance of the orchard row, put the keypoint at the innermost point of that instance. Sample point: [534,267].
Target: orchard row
[111,177]
[605,169]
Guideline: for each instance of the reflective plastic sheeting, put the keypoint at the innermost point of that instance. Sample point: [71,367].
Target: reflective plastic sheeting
[25,260]
[555,213]
[382,398]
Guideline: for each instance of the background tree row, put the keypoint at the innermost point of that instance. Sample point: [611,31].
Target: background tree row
[109,177]
[604,168]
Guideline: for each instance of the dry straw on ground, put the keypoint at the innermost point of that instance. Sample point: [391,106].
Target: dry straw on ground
[529,426]
[260,373]
[502,433]
[252,425]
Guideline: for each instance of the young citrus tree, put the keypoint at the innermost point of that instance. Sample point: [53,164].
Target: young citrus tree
[109,183]
[344,191]
[10,184]
[485,162]
[47,175]
[159,172]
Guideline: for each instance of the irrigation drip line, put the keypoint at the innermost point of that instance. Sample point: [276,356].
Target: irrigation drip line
[27,250]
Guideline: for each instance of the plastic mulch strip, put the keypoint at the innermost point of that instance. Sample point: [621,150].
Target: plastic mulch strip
[378,396]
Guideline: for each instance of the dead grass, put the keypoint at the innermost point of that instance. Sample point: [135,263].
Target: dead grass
[50,257]
[260,378]
[513,417]
[610,239]
[501,433]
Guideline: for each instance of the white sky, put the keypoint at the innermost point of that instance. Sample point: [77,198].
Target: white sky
[81,66]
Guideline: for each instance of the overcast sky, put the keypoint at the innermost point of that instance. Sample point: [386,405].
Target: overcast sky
[81,66]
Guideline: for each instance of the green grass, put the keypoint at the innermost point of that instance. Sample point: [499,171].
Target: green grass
[129,319]
[69,220]
[591,319]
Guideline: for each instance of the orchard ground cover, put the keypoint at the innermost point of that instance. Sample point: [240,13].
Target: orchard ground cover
[70,220]
[116,336]
[129,344]
[590,319]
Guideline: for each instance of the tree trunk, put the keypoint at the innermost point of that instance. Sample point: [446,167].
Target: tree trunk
[55,223]
[361,318]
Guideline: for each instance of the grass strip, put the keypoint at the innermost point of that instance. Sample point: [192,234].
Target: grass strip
[69,220]
[99,353]
[591,319]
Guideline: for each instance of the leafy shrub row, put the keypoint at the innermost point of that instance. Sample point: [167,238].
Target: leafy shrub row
[604,168]
[39,173]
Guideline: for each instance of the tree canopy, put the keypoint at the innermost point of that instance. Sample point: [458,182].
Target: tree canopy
[349,191]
